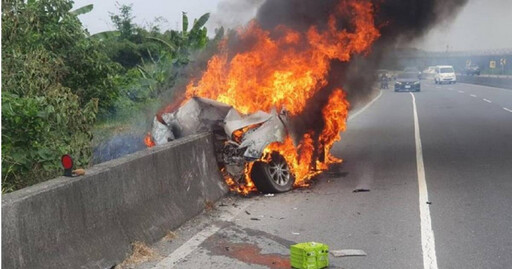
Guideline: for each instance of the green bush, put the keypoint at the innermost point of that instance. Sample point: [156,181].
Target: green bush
[38,130]
[49,29]
[53,80]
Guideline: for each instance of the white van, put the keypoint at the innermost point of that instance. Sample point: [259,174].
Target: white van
[444,74]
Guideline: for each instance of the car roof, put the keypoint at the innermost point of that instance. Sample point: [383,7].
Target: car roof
[408,73]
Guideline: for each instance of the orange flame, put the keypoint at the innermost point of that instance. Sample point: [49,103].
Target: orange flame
[284,68]
[149,141]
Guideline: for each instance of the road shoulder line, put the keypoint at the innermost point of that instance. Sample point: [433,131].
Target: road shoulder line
[193,243]
[427,234]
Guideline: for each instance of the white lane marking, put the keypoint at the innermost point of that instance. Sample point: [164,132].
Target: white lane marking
[351,117]
[461,91]
[428,243]
[194,242]
[487,100]
[509,110]
[472,95]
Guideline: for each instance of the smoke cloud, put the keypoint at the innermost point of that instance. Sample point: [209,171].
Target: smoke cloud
[234,13]
[400,22]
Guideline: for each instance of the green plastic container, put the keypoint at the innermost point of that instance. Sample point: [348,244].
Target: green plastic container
[309,255]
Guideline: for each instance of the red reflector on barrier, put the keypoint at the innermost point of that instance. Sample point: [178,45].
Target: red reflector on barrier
[67,162]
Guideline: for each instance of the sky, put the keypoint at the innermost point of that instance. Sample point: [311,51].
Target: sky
[481,24]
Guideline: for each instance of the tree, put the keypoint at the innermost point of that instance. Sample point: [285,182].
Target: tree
[124,22]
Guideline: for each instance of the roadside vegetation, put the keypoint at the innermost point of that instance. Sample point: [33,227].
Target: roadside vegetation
[61,85]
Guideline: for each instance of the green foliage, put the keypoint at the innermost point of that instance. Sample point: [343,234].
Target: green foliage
[151,58]
[48,26]
[53,80]
[130,45]
[56,79]
[37,130]
[124,21]
[83,10]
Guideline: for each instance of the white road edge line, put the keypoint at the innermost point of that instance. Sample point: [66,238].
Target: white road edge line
[509,110]
[351,117]
[428,243]
[193,243]
[487,100]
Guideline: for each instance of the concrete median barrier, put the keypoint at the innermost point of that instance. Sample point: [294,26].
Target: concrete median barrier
[498,82]
[90,221]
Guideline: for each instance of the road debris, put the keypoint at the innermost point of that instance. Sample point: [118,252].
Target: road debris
[361,190]
[309,255]
[141,253]
[78,172]
[255,219]
[209,205]
[347,252]
[429,203]
[247,212]
[169,236]
[295,233]
[269,195]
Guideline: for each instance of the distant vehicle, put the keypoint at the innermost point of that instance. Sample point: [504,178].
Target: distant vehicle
[445,74]
[429,72]
[384,79]
[413,70]
[472,70]
[407,81]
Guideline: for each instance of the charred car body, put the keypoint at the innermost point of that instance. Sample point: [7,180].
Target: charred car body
[240,139]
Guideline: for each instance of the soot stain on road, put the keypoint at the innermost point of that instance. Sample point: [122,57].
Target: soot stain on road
[245,245]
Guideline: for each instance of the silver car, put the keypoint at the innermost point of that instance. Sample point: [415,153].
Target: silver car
[240,139]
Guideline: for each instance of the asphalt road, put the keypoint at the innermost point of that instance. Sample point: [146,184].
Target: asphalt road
[466,140]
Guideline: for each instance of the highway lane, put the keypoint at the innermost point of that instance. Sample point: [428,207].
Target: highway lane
[467,147]
[467,152]
[495,96]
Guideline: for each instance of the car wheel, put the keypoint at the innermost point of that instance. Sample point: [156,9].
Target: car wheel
[274,176]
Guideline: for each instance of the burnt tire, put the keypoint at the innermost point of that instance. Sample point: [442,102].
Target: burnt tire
[274,176]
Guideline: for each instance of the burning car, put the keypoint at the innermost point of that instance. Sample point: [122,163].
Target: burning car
[273,106]
[240,139]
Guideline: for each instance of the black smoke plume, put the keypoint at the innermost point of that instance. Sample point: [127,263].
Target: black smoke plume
[399,22]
